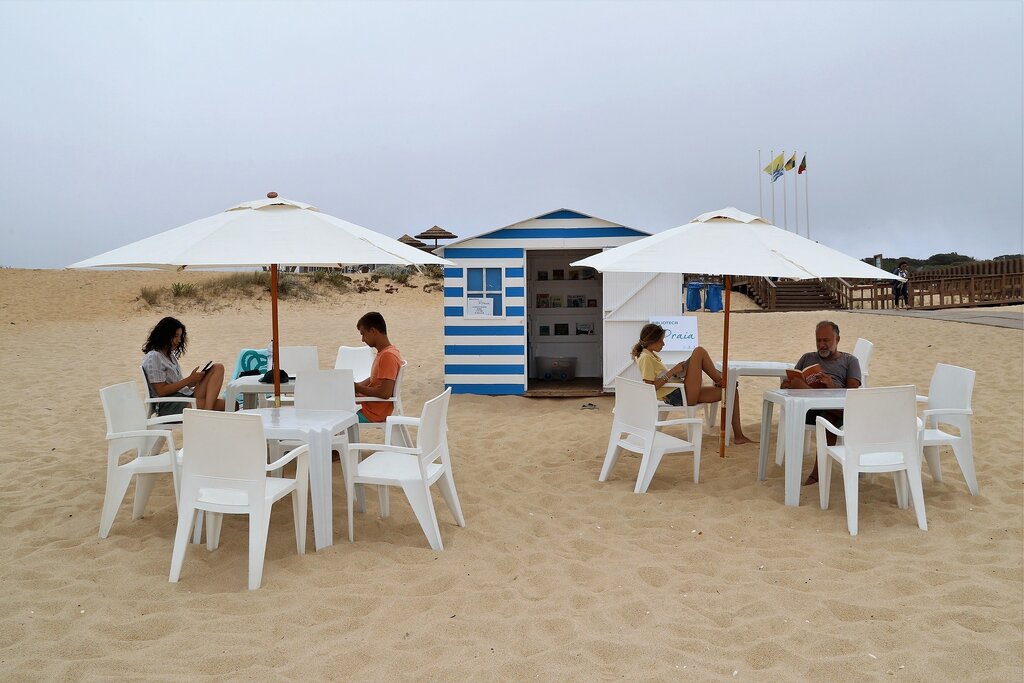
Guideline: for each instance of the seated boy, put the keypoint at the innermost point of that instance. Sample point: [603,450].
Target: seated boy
[381,382]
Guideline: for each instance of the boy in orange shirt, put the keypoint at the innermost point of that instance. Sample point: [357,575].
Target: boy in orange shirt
[381,383]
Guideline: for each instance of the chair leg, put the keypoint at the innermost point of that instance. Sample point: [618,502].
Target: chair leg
[144,484]
[117,487]
[186,518]
[299,518]
[696,464]
[197,533]
[963,451]
[931,454]
[824,478]
[259,527]
[648,466]
[780,438]
[384,498]
[611,454]
[214,522]
[447,487]
[899,478]
[917,496]
[423,507]
[851,484]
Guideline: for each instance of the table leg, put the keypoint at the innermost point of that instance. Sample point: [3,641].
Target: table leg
[766,430]
[320,487]
[794,417]
[730,406]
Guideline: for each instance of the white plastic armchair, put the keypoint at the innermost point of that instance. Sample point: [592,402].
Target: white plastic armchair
[414,468]
[635,428]
[298,361]
[358,359]
[396,399]
[880,435]
[710,409]
[862,351]
[949,403]
[226,473]
[152,401]
[128,430]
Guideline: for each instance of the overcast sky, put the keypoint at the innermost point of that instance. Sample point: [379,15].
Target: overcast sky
[120,120]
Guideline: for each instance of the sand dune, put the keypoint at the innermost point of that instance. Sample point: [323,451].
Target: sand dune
[555,577]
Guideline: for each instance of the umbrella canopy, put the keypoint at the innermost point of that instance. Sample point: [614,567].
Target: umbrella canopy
[730,242]
[260,233]
[267,232]
[411,241]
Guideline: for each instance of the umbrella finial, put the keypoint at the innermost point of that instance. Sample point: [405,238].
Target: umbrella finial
[271,195]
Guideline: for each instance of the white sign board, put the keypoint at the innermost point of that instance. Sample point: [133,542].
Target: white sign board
[479,308]
[680,332]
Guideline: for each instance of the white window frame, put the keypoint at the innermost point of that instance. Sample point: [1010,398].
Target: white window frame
[466,295]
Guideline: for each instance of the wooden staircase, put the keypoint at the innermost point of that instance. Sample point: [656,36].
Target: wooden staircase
[803,295]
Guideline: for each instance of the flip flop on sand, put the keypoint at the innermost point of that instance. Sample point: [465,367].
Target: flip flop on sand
[588,406]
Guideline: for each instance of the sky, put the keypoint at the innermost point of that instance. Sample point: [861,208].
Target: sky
[120,120]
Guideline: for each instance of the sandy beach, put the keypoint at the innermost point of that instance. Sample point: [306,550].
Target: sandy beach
[555,577]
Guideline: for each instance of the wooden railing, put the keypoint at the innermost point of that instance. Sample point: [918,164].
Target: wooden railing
[984,283]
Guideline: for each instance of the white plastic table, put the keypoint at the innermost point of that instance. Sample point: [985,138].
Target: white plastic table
[316,428]
[795,403]
[749,368]
[250,387]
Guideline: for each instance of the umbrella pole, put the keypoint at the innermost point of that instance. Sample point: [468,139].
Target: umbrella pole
[274,343]
[725,369]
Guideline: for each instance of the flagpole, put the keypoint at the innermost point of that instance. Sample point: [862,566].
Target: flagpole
[807,200]
[760,197]
[772,188]
[796,201]
[785,201]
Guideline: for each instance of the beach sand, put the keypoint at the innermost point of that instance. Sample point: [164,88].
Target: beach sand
[555,577]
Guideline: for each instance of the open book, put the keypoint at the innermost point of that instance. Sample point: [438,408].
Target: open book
[807,374]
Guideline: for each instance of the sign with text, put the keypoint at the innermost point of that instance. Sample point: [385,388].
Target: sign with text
[479,307]
[680,332]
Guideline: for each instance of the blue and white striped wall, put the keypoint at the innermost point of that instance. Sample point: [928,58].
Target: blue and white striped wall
[488,356]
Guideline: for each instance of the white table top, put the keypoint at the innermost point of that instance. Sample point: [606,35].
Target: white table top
[302,419]
[252,384]
[815,395]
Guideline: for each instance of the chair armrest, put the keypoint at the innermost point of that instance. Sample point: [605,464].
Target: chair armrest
[680,421]
[171,399]
[403,420]
[352,447]
[922,399]
[371,399]
[828,426]
[674,385]
[302,450]
[141,433]
[164,419]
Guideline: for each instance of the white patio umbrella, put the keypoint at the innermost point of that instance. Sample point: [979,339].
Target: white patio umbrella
[266,232]
[730,242]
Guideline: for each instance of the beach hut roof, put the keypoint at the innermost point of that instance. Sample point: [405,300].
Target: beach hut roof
[572,220]
[436,233]
[411,241]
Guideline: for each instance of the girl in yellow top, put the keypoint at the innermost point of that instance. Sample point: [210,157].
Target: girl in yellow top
[653,371]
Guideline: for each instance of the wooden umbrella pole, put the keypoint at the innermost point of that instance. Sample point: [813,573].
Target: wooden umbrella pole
[274,342]
[725,368]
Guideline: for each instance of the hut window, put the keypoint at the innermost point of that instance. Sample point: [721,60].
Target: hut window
[486,283]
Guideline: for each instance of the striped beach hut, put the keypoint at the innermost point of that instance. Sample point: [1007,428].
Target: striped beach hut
[520,320]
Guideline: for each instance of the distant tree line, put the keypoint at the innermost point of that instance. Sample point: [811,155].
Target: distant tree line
[934,261]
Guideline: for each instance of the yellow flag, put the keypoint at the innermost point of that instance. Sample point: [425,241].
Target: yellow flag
[776,164]
[791,164]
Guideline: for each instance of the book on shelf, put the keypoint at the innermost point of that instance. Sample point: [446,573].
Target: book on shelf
[543,300]
[561,329]
[575,301]
[591,303]
[545,331]
[556,302]
[558,274]
[584,328]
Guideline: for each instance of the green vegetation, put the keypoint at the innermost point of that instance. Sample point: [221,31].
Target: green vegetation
[399,274]
[433,271]
[933,261]
[151,295]
[184,290]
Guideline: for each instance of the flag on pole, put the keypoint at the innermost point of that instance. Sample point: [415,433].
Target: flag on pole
[803,165]
[791,164]
[774,169]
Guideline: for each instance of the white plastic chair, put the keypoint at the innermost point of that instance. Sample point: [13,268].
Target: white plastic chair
[152,400]
[296,360]
[949,403]
[226,473]
[635,427]
[358,359]
[880,435]
[129,430]
[415,469]
[396,399]
[665,409]
[862,351]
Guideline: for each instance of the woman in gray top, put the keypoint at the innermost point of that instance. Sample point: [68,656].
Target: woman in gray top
[165,345]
